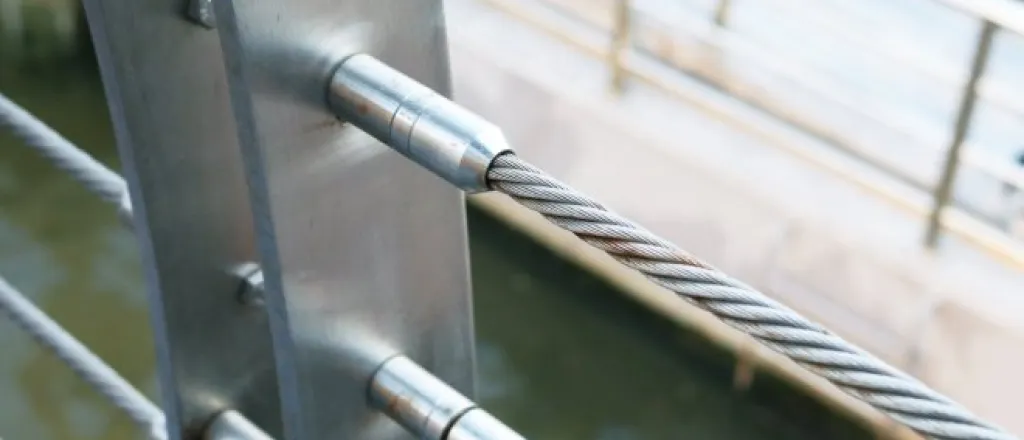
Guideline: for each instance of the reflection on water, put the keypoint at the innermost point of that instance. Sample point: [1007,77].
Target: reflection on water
[562,356]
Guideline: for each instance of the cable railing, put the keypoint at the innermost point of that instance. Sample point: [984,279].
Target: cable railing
[992,16]
[336,365]
[472,155]
[428,407]
[918,153]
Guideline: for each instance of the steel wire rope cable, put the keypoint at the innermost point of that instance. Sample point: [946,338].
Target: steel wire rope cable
[112,188]
[96,177]
[856,372]
[83,362]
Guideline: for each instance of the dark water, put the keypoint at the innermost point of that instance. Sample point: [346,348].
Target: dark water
[562,355]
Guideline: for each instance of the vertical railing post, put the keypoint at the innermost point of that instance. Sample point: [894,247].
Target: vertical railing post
[619,44]
[166,88]
[364,254]
[722,10]
[944,189]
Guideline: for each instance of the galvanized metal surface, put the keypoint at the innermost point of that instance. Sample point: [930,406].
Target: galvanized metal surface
[165,85]
[363,253]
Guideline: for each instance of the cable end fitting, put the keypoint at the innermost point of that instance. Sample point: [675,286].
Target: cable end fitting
[421,124]
[413,397]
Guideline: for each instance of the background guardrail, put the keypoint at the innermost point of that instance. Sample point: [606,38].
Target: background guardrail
[916,148]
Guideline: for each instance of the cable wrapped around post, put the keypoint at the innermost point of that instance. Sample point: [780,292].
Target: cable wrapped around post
[854,371]
[82,361]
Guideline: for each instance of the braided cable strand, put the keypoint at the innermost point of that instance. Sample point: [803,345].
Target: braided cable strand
[93,175]
[112,188]
[82,361]
[854,371]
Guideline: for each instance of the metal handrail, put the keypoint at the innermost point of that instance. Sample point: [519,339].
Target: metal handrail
[979,160]
[988,238]
[1006,14]
[999,93]
[994,15]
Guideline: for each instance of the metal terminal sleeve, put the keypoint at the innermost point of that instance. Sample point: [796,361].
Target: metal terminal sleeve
[419,123]
[411,396]
[427,407]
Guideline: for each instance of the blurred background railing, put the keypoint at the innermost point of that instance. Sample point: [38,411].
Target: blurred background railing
[883,82]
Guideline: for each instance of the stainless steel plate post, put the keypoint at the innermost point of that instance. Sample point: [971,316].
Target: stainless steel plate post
[364,252]
[166,87]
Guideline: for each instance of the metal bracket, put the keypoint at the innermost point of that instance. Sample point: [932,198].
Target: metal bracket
[189,209]
[428,408]
[364,253]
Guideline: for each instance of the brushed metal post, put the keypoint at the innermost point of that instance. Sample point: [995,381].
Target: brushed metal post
[165,84]
[944,189]
[619,44]
[363,251]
